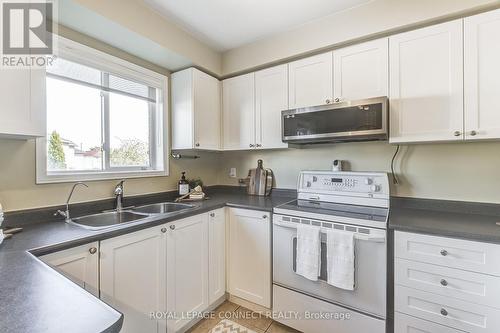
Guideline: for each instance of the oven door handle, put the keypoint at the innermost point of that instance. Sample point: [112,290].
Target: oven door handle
[358,236]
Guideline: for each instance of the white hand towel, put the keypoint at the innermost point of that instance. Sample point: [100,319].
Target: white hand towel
[308,261]
[340,259]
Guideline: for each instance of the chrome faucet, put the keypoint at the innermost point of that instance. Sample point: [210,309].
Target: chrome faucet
[119,196]
[65,214]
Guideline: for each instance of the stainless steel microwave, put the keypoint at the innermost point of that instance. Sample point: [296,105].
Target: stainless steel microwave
[362,120]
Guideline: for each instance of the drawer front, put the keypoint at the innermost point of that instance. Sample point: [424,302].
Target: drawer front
[468,286]
[409,324]
[455,253]
[446,311]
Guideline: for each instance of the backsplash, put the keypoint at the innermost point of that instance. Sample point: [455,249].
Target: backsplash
[452,171]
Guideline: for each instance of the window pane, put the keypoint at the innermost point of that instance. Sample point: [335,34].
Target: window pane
[74,134]
[72,70]
[129,131]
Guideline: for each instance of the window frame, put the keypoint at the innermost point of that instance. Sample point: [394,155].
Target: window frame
[159,119]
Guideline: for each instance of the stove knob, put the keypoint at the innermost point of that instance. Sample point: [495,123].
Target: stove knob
[375,188]
[368,181]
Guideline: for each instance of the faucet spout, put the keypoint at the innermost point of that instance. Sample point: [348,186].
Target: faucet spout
[66,214]
[119,196]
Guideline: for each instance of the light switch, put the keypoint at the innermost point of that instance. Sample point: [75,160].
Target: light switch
[232,172]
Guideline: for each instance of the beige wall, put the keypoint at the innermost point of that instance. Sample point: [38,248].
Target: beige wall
[19,191]
[139,18]
[458,171]
[376,18]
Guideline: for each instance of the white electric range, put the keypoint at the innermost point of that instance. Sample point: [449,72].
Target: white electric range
[356,202]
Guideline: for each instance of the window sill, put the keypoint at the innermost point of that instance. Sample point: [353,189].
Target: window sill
[90,176]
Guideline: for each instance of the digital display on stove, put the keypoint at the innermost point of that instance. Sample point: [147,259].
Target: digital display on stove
[337,180]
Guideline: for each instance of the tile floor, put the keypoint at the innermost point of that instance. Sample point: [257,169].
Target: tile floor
[244,317]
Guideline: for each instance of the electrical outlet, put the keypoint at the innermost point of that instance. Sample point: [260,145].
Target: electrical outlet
[232,172]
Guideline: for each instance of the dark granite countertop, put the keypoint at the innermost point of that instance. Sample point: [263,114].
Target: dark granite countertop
[465,220]
[35,298]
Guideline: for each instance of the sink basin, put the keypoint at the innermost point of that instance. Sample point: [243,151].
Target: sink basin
[162,208]
[106,220]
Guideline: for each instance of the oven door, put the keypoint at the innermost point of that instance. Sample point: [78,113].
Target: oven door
[347,121]
[369,295]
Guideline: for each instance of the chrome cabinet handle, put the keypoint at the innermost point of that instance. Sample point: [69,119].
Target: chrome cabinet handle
[444,282]
[264,216]
[444,253]
[328,101]
[337,100]
[251,145]
[444,312]
[172,227]
[212,214]
[457,133]
[258,145]
[93,250]
[197,144]
[473,133]
[164,230]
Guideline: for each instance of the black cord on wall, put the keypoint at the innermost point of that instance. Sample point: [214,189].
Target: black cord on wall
[395,179]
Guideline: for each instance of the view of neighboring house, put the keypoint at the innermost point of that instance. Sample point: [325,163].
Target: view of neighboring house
[78,159]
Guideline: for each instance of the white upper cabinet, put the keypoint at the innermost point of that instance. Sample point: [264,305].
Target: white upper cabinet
[79,264]
[361,71]
[187,273]
[239,112]
[482,76]
[250,256]
[426,90]
[271,97]
[22,103]
[310,81]
[133,278]
[196,110]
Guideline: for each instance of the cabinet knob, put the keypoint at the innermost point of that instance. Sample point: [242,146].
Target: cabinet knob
[444,282]
[444,253]
[172,227]
[164,230]
[251,145]
[473,133]
[212,214]
[457,133]
[258,145]
[264,216]
[337,100]
[444,312]
[197,144]
[93,250]
[328,101]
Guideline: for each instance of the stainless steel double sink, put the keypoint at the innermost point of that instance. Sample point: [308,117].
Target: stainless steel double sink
[115,218]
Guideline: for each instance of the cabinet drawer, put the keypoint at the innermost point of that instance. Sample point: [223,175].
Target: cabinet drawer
[455,253]
[409,324]
[468,286]
[446,311]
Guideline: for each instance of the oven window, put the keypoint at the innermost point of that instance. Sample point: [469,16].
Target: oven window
[352,119]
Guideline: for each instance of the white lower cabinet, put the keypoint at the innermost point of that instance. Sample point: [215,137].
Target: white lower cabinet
[250,255]
[79,264]
[217,255]
[445,285]
[187,274]
[133,277]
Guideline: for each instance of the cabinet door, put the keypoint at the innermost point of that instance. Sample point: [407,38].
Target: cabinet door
[250,256]
[207,111]
[22,103]
[310,81]
[79,264]
[182,109]
[361,71]
[187,269]
[482,82]
[217,255]
[426,93]
[271,97]
[133,277]
[239,112]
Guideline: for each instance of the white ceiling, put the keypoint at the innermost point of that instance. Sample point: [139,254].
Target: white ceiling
[226,24]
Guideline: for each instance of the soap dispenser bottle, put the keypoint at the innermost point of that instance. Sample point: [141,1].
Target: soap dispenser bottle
[183,186]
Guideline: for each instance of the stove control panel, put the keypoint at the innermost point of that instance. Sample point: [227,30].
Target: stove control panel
[344,182]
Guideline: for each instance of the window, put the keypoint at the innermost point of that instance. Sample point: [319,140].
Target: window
[105,118]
